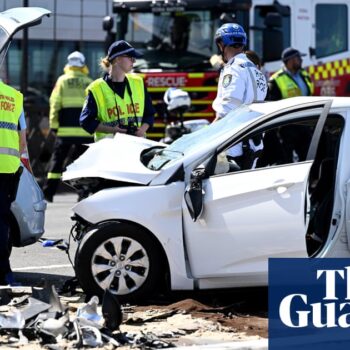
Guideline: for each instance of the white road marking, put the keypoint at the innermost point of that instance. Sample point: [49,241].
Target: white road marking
[41,267]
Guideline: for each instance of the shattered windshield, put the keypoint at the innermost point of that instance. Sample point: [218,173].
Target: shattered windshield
[171,41]
[200,139]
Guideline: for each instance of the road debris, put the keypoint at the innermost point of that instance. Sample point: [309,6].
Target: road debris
[33,318]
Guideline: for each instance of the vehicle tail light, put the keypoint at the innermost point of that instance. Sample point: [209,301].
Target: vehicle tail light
[25,161]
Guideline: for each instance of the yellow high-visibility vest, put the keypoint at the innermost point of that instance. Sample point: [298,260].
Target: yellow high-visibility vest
[110,104]
[66,101]
[288,87]
[11,106]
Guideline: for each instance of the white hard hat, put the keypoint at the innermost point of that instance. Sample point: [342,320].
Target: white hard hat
[76,59]
[176,98]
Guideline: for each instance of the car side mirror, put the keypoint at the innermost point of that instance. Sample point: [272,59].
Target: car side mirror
[194,193]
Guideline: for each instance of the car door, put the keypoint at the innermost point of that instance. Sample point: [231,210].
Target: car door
[249,216]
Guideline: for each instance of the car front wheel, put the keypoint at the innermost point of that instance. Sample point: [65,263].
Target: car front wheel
[120,257]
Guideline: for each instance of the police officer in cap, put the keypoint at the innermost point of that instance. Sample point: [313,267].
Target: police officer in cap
[240,81]
[118,102]
[291,80]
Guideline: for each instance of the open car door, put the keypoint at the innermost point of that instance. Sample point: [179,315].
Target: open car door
[15,19]
[249,216]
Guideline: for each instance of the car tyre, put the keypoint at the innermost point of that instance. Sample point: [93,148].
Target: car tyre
[121,257]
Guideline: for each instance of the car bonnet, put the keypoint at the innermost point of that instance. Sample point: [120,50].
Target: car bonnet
[116,159]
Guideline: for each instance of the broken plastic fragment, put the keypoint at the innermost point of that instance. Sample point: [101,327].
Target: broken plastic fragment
[89,310]
[12,321]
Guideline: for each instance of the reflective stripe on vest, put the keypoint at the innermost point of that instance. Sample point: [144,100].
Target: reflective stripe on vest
[11,106]
[107,103]
[288,86]
[72,132]
[54,176]
[9,151]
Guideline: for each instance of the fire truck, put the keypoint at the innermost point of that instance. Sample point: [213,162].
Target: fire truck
[176,38]
[317,28]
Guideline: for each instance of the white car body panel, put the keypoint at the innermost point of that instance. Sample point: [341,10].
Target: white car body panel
[115,158]
[29,209]
[243,211]
[157,208]
[17,18]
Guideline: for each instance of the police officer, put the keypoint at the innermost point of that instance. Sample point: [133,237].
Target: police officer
[66,102]
[240,82]
[291,80]
[119,101]
[12,145]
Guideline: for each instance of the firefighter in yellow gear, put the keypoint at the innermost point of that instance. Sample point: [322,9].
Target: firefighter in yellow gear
[66,102]
[12,144]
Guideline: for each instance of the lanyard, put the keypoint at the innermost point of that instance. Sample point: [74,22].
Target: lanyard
[132,102]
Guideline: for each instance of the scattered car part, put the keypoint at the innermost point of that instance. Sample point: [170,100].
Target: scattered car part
[33,308]
[111,311]
[89,311]
[13,320]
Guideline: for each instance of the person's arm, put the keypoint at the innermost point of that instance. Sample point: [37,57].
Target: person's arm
[55,106]
[232,93]
[273,93]
[217,117]
[148,116]
[23,147]
[22,129]
[88,119]
[109,129]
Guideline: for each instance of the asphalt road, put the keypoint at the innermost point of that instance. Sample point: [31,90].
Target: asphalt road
[34,264]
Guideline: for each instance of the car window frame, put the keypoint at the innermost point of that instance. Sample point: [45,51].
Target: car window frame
[271,119]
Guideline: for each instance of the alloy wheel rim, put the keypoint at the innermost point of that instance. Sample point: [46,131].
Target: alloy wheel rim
[120,264]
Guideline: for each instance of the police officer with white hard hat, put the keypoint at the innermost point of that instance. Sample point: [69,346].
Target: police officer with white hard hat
[240,81]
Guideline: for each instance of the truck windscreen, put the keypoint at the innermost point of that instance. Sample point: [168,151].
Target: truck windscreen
[170,40]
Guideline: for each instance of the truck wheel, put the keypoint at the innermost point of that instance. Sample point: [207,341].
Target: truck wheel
[121,257]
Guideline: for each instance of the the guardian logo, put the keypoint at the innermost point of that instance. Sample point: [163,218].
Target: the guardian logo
[309,304]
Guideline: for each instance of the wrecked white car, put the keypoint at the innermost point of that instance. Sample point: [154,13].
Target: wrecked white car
[188,217]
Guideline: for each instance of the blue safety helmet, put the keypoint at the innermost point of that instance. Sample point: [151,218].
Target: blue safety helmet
[231,34]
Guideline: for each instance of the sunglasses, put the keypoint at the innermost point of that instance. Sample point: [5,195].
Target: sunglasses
[133,59]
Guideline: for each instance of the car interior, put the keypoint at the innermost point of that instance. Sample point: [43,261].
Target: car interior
[289,143]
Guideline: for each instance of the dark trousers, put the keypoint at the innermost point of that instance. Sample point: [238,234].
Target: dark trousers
[8,191]
[66,150]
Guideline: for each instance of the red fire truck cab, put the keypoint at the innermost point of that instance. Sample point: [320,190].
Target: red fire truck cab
[177,41]
[176,38]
